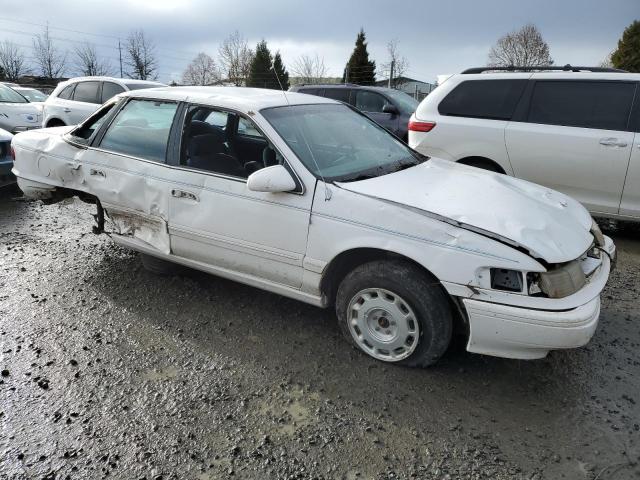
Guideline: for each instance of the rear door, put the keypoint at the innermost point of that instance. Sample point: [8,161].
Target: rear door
[574,137]
[126,169]
[371,104]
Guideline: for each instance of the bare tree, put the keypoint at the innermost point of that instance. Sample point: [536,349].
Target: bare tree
[235,58]
[309,69]
[140,57]
[50,60]
[12,61]
[521,48]
[400,63]
[201,71]
[607,62]
[88,63]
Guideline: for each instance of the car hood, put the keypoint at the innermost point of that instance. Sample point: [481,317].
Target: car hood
[549,225]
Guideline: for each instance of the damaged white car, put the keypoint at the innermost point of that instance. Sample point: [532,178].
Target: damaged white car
[305,197]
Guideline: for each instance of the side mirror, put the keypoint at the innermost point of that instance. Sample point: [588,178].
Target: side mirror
[272,179]
[389,108]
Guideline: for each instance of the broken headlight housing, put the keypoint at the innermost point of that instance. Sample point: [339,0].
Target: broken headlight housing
[506,280]
[558,282]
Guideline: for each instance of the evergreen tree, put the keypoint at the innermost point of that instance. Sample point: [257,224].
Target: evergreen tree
[627,55]
[281,71]
[359,69]
[261,75]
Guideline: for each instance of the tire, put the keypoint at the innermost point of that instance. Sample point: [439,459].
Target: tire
[159,266]
[395,312]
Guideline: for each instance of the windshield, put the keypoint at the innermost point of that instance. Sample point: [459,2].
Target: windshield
[32,94]
[406,103]
[337,144]
[8,95]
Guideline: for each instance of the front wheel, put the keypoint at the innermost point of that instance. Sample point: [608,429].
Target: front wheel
[395,312]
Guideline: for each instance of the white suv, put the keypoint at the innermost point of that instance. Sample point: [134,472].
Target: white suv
[574,130]
[77,98]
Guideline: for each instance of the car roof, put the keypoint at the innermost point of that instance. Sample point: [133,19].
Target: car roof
[98,78]
[243,99]
[549,75]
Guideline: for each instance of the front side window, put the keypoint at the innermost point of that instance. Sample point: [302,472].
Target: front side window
[8,95]
[370,102]
[86,92]
[337,144]
[225,143]
[141,129]
[340,94]
[110,90]
[586,104]
[490,99]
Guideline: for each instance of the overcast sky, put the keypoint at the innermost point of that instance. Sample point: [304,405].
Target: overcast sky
[437,37]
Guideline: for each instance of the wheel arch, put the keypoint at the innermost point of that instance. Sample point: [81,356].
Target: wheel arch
[482,162]
[55,122]
[346,261]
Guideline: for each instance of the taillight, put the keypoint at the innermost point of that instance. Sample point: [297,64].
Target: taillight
[416,126]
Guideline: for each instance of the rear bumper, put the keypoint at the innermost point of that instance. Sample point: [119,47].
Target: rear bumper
[513,332]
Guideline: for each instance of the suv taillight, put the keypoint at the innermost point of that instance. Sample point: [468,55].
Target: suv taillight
[416,126]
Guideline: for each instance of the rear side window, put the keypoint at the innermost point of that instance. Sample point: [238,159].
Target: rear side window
[341,94]
[601,105]
[141,129]
[109,90]
[491,99]
[67,92]
[86,92]
[369,101]
[310,91]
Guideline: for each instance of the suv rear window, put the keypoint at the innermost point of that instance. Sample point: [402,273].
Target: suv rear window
[491,99]
[86,92]
[340,94]
[586,104]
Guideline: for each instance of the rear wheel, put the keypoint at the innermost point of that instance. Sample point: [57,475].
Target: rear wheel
[395,312]
[55,123]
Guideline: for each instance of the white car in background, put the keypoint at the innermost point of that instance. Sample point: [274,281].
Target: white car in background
[32,94]
[306,197]
[573,129]
[75,99]
[17,114]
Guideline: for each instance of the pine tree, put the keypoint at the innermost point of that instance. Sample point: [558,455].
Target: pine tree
[281,71]
[627,55]
[261,75]
[359,69]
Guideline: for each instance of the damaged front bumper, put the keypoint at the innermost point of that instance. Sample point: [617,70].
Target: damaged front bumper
[528,327]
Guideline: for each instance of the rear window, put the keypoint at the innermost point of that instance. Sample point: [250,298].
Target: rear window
[586,104]
[67,92]
[491,99]
[109,90]
[310,91]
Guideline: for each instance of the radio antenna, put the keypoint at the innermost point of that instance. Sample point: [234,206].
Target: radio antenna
[327,192]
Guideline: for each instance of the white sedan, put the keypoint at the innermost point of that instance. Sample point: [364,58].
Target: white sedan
[17,114]
[305,197]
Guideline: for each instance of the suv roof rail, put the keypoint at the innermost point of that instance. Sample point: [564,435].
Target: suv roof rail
[327,85]
[563,68]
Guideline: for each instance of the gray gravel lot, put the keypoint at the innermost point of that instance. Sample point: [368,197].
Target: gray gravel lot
[111,372]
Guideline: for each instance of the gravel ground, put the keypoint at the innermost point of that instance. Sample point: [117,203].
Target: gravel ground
[111,372]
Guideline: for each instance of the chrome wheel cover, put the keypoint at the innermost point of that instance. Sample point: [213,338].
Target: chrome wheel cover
[383,324]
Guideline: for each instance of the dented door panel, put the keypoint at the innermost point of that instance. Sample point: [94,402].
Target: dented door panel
[134,194]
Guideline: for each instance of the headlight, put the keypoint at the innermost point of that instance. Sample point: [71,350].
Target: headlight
[562,281]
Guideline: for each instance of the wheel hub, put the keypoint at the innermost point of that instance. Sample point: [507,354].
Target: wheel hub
[383,324]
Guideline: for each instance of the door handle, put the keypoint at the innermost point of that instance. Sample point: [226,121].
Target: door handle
[97,173]
[183,194]
[67,110]
[612,142]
